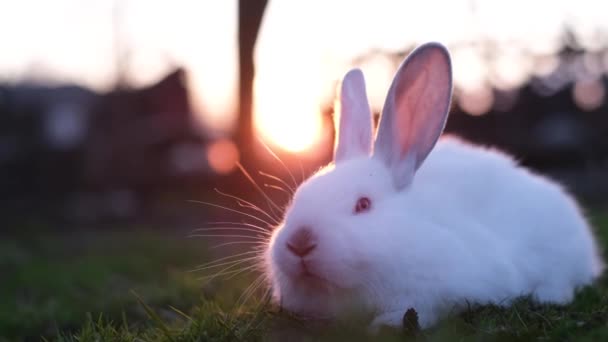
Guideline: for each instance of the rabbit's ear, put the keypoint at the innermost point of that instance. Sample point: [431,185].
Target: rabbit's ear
[415,111]
[354,121]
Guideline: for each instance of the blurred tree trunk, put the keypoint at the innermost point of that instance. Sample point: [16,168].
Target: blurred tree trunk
[250,18]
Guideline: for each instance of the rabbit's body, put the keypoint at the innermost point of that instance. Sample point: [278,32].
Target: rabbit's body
[470,226]
[498,232]
[528,219]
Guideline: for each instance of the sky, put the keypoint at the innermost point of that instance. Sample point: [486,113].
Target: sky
[304,47]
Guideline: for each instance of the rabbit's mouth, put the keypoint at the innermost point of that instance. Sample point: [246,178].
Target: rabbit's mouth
[307,275]
[305,269]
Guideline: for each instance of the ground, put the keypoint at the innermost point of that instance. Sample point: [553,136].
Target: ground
[134,284]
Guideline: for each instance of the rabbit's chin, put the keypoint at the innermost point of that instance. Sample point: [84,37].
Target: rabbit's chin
[306,290]
[312,297]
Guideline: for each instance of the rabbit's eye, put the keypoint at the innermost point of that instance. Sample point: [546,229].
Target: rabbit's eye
[363,205]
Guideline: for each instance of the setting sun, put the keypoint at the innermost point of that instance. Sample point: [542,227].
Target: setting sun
[287,118]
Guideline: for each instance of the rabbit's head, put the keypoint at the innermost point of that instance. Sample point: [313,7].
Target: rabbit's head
[331,250]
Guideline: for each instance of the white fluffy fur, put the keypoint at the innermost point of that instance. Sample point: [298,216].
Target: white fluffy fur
[471,226]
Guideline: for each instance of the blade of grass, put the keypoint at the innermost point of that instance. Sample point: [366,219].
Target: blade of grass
[181,313]
[154,316]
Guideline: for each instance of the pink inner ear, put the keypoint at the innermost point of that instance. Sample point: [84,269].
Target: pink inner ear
[421,99]
[413,102]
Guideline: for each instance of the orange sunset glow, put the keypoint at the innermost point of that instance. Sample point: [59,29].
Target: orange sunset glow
[302,50]
[288,117]
[292,128]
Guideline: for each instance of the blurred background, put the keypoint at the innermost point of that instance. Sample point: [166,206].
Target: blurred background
[109,108]
[114,114]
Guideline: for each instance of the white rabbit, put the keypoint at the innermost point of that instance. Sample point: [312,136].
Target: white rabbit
[386,231]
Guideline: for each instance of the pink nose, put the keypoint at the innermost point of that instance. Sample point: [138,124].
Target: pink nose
[302,242]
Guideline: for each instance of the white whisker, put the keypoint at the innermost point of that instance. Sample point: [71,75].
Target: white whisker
[227,258]
[271,152]
[242,229]
[276,187]
[268,229]
[248,268]
[241,203]
[278,180]
[232,273]
[250,289]
[226,271]
[224,263]
[271,203]
[259,238]
[258,243]
[232,210]
[209,278]
[301,170]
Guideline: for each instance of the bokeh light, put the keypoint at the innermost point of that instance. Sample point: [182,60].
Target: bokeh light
[222,156]
[589,94]
[477,101]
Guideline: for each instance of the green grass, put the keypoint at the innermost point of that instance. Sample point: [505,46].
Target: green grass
[134,285]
